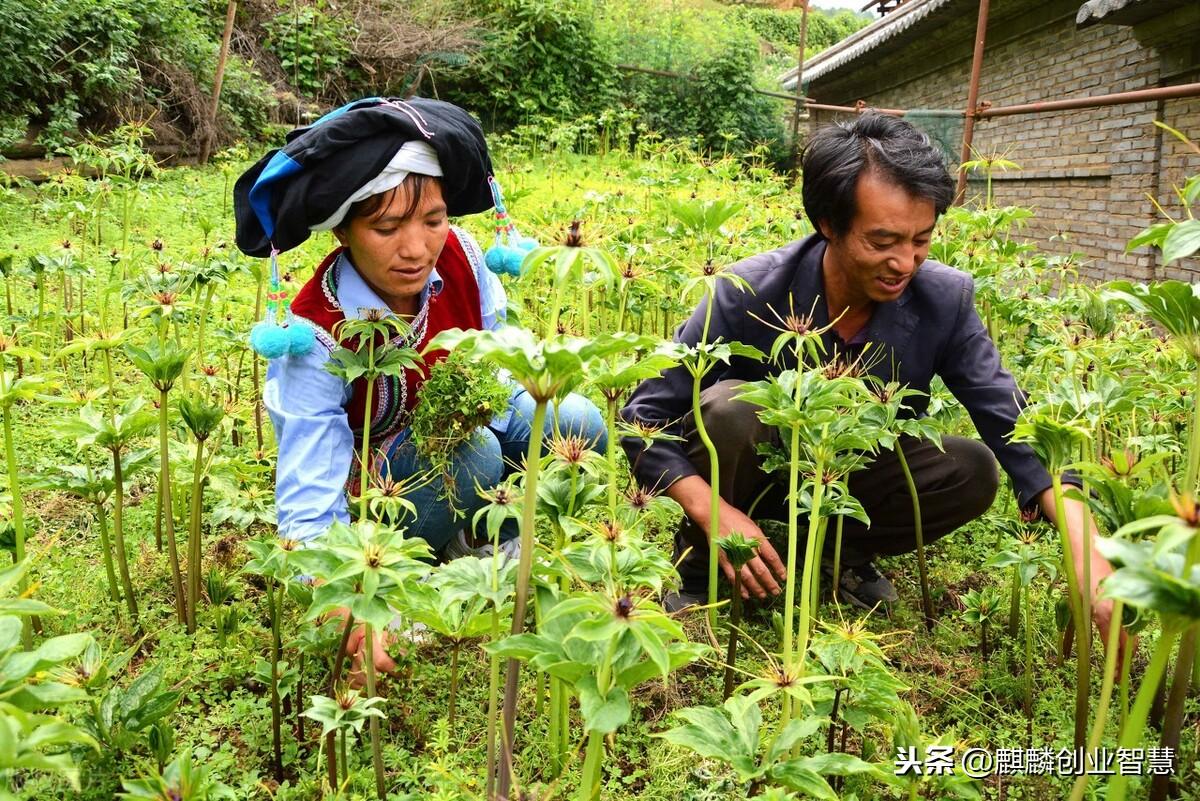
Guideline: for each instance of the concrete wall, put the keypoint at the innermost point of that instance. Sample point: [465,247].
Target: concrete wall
[1088,173]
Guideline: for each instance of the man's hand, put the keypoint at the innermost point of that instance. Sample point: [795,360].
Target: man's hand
[762,575]
[1099,568]
[356,646]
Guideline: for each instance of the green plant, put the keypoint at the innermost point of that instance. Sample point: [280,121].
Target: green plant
[115,434]
[33,740]
[1026,560]
[347,711]
[456,603]
[982,608]
[457,398]
[738,550]
[17,389]
[95,486]
[183,780]
[201,419]
[362,568]
[706,221]
[732,735]
[1057,442]
[1178,239]
[163,364]
[548,370]
[123,716]
[603,644]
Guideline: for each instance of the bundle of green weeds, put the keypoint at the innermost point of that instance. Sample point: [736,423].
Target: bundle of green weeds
[459,397]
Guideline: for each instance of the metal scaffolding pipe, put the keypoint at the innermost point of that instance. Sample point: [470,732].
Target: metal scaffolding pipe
[859,109]
[1096,101]
[972,98]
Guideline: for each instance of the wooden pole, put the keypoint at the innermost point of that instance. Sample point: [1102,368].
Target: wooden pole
[972,98]
[211,133]
[799,84]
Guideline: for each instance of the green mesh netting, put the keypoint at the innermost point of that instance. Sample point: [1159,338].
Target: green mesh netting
[945,128]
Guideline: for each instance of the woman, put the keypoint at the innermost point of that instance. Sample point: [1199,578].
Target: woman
[384,176]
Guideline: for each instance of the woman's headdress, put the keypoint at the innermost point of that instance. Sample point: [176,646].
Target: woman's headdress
[361,149]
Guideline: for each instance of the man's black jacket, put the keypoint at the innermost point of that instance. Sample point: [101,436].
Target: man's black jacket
[932,329]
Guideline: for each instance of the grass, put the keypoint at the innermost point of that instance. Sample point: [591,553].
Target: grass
[225,715]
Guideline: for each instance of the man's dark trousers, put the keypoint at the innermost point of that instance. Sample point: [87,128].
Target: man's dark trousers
[955,487]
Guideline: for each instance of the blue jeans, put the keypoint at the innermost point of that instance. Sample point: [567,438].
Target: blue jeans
[486,459]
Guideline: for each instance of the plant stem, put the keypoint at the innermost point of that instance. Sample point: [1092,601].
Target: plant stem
[589,785]
[919,531]
[194,549]
[453,679]
[811,564]
[168,511]
[365,459]
[274,600]
[254,374]
[331,762]
[18,513]
[610,422]
[1131,732]
[1160,785]
[1014,603]
[119,534]
[1102,710]
[524,570]
[376,749]
[789,592]
[110,570]
[1193,463]
[837,558]
[331,767]
[1029,667]
[1076,594]
[735,619]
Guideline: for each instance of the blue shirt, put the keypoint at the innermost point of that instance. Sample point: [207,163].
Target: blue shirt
[307,405]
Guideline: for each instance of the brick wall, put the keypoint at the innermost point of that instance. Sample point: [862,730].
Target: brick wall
[1087,173]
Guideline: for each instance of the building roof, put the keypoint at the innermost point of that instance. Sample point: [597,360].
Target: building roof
[867,39]
[1122,12]
[889,31]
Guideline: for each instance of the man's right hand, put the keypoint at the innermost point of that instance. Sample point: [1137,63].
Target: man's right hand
[763,575]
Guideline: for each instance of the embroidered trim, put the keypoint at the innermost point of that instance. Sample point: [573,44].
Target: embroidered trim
[471,248]
[322,335]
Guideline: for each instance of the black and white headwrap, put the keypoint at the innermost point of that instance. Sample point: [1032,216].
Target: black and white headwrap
[361,149]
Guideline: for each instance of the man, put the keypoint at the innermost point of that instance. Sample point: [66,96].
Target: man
[873,189]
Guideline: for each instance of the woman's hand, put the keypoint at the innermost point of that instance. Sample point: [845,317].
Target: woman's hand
[356,647]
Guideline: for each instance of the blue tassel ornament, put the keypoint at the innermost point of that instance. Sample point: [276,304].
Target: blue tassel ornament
[269,339]
[508,252]
[301,338]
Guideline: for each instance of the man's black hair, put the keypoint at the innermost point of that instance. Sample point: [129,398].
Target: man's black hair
[898,151]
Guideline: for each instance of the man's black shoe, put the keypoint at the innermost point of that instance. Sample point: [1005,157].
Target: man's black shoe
[862,585]
[678,601]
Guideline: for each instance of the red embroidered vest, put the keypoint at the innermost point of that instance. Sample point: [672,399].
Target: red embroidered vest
[456,305]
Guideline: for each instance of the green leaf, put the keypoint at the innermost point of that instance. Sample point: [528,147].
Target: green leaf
[604,714]
[794,776]
[1181,241]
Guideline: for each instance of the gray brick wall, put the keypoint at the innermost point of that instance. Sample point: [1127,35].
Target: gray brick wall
[1088,173]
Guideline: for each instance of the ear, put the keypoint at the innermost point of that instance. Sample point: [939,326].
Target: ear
[826,230]
[340,233]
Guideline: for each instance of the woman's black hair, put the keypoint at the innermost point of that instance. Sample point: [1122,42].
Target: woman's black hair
[898,151]
[368,207]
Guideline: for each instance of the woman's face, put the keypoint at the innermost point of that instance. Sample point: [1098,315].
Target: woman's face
[395,248]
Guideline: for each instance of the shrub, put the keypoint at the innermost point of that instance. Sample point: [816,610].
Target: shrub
[538,58]
[82,64]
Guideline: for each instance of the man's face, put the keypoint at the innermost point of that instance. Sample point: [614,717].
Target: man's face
[887,241]
[395,252]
